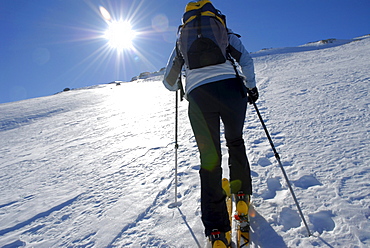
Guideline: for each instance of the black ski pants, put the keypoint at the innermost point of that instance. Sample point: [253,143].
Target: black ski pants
[208,104]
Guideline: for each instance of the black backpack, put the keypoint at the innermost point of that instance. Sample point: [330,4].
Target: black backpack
[203,38]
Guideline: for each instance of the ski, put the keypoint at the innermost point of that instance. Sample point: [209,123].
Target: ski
[241,217]
[229,203]
[227,236]
[238,208]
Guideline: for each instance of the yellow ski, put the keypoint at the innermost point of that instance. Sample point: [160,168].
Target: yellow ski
[226,187]
[242,218]
[229,203]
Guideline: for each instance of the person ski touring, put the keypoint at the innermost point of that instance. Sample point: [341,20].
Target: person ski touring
[219,82]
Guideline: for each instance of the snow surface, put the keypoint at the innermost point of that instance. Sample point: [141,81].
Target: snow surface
[94,167]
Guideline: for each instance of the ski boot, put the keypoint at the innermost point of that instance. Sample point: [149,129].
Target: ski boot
[220,239]
[242,203]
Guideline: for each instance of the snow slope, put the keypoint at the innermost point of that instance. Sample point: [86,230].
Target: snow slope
[94,167]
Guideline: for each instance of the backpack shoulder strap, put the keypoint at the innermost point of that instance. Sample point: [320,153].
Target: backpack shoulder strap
[230,50]
[229,31]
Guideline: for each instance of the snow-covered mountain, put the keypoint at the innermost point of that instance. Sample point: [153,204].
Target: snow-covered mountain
[94,167]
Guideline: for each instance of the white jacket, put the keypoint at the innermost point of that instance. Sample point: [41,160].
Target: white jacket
[213,73]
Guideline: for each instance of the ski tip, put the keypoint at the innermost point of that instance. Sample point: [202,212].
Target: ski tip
[226,186]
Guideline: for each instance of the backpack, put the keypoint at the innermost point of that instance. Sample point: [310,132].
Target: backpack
[203,37]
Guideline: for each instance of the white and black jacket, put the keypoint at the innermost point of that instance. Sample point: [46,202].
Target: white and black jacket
[213,73]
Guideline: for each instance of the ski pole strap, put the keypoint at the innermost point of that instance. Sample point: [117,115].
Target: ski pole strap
[231,59]
[243,89]
[181,88]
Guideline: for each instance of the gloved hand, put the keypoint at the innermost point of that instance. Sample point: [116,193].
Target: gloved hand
[252,95]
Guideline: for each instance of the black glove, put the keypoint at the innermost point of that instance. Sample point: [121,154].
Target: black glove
[252,95]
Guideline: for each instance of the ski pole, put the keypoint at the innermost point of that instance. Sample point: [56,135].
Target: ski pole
[282,168]
[176,204]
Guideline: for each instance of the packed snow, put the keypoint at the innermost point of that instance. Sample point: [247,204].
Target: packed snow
[95,167]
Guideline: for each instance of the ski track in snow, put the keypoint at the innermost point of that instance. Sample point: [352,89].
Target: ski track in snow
[94,167]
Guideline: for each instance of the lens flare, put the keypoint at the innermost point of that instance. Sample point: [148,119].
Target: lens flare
[252,212]
[160,23]
[105,13]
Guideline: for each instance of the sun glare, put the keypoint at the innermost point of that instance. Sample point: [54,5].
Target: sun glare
[119,38]
[120,35]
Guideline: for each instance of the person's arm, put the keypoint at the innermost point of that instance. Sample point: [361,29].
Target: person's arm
[242,56]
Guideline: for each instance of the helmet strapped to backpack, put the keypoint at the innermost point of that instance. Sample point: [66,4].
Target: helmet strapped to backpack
[203,38]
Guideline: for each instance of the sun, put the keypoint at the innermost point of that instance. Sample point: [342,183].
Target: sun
[120,35]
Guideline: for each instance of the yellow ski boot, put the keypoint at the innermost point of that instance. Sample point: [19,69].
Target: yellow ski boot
[220,239]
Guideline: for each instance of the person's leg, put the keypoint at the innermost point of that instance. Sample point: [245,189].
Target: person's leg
[233,116]
[205,122]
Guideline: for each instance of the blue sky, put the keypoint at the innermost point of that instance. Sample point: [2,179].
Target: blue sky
[49,45]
